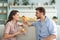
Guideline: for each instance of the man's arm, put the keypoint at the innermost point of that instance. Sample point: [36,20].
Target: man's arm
[30,24]
[52,31]
[50,37]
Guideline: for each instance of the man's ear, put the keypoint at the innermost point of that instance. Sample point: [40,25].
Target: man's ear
[42,13]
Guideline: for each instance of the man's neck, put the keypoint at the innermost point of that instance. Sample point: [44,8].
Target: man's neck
[42,18]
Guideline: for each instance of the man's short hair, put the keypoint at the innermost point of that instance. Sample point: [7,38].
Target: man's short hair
[41,9]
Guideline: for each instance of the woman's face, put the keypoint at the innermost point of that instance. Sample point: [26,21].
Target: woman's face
[16,16]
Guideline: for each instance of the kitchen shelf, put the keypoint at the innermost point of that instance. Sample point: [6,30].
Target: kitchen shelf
[3,11]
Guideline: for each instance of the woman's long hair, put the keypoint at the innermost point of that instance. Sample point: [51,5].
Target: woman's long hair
[13,12]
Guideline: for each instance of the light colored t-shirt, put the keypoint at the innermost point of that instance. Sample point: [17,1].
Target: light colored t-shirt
[11,28]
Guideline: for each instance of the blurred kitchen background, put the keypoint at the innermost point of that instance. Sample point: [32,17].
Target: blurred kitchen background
[27,9]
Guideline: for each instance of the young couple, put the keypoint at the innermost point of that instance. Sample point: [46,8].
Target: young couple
[46,28]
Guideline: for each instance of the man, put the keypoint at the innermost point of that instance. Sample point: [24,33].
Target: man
[46,29]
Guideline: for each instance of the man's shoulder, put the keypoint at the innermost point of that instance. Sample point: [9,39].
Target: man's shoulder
[50,21]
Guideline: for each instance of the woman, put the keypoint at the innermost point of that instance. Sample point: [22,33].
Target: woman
[10,30]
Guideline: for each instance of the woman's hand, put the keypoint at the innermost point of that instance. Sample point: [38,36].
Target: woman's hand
[21,32]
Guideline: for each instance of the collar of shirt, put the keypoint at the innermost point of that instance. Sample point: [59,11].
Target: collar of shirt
[44,20]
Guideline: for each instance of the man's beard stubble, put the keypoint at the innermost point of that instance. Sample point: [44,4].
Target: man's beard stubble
[38,17]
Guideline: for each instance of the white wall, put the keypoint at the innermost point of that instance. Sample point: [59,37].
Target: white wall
[30,12]
[58,10]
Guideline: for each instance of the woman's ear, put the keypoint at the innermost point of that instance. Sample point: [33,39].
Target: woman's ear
[13,16]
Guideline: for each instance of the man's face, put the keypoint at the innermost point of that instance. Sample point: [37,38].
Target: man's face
[38,14]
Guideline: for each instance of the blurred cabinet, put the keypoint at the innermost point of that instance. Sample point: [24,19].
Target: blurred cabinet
[3,11]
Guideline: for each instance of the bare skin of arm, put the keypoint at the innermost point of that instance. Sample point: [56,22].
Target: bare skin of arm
[6,35]
[29,24]
[50,37]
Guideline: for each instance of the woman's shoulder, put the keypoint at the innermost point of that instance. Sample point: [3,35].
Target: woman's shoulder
[8,23]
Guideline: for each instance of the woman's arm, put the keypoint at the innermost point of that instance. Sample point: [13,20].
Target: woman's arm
[6,35]
[7,31]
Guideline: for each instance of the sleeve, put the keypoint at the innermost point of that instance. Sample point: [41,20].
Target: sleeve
[34,24]
[7,28]
[53,28]
[18,23]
